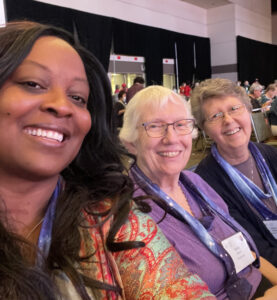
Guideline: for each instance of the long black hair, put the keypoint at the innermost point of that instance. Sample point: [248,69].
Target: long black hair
[94,175]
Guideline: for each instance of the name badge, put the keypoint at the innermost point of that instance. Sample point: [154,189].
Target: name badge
[271,225]
[239,250]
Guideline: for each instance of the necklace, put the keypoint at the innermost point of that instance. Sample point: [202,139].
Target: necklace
[34,228]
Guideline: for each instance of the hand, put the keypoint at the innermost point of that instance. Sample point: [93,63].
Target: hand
[120,112]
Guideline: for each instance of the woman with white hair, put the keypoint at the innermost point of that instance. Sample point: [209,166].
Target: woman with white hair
[255,92]
[158,129]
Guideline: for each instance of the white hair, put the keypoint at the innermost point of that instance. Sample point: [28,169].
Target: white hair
[153,97]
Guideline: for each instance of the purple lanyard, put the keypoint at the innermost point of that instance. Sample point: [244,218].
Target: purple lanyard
[236,288]
[45,236]
[202,199]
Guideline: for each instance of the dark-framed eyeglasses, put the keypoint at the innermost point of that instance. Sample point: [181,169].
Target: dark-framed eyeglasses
[159,129]
[234,111]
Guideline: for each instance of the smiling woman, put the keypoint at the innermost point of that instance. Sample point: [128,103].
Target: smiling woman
[242,172]
[68,227]
[48,119]
[158,129]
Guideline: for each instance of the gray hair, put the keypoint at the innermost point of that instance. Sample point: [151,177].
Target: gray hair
[255,87]
[152,97]
[215,88]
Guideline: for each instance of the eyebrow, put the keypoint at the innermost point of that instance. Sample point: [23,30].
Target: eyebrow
[45,68]
[162,121]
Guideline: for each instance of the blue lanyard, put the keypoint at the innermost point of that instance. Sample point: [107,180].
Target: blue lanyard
[45,236]
[250,191]
[200,231]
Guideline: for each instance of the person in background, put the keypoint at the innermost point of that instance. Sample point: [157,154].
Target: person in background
[116,89]
[124,87]
[272,117]
[255,92]
[158,129]
[196,83]
[68,227]
[185,90]
[246,86]
[269,94]
[256,81]
[243,173]
[137,86]
[119,109]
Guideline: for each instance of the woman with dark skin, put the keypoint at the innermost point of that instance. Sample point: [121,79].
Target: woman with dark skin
[63,196]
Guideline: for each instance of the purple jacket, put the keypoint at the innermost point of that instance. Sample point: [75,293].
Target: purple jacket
[193,252]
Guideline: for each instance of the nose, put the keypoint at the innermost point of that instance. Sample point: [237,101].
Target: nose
[227,118]
[57,103]
[170,135]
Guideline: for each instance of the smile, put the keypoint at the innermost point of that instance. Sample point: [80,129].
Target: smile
[232,131]
[169,154]
[49,134]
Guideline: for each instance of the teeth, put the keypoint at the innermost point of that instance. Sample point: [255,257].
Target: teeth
[39,132]
[169,154]
[233,131]
[53,135]
[50,134]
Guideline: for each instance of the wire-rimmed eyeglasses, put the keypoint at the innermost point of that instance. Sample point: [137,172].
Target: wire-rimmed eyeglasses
[234,111]
[159,129]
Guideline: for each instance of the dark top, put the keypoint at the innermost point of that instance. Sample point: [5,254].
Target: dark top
[118,119]
[272,113]
[255,103]
[133,90]
[239,208]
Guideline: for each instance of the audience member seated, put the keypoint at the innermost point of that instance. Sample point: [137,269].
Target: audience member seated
[255,92]
[136,87]
[268,96]
[243,173]
[158,129]
[68,227]
[272,117]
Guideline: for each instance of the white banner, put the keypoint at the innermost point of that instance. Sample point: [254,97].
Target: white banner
[2,14]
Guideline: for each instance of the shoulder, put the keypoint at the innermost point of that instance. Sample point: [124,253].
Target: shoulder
[207,165]
[269,153]
[159,271]
[139,227]
[266,148]
[206,189]
[194,176]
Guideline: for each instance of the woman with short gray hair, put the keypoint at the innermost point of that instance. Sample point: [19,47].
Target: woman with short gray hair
[216,88]
[243,173]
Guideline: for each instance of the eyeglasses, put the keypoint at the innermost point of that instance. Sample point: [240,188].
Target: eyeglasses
[235,110]
[159,129]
